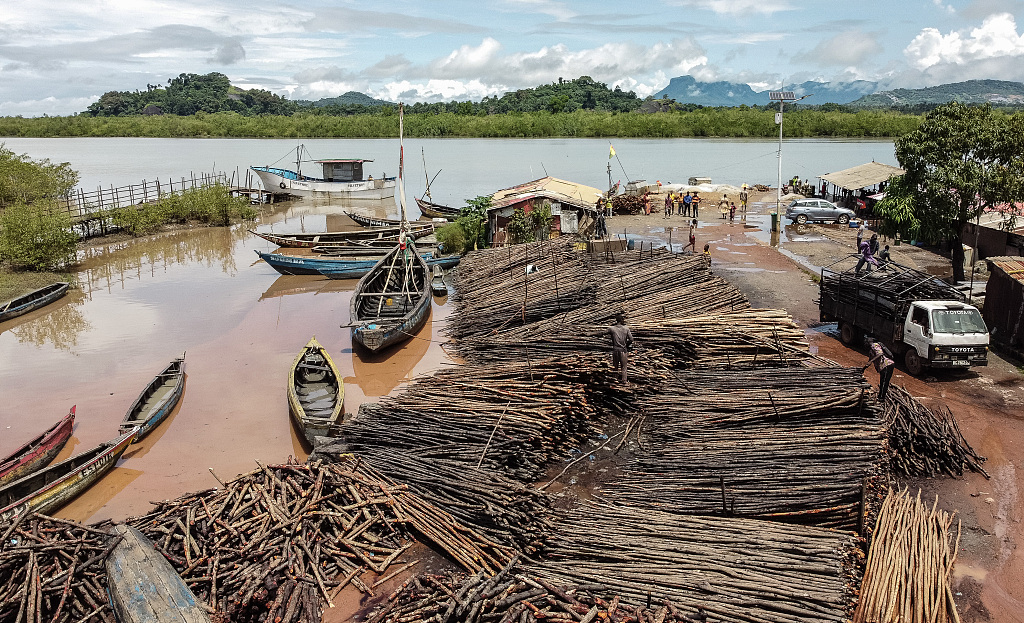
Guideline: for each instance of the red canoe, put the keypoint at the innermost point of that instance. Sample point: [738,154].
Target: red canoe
[37,453]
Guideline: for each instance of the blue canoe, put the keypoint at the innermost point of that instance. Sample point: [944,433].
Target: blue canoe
[335,268]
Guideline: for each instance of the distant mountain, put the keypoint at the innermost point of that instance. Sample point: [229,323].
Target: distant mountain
[350,98]
[995,92]
[687,90]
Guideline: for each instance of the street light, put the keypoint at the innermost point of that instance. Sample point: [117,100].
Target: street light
[781,97]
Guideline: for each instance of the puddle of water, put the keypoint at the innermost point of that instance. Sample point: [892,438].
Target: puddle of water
[144,302]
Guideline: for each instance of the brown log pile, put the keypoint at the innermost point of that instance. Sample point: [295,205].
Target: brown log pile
[736,570]
[793,445]
[280,542]
[517,597]
[633,204]
[53,570]
[910,563]
[926,442]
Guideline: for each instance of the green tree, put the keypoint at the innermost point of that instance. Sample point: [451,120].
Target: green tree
[960,161]
[473,220]
[519,227]
[36,236]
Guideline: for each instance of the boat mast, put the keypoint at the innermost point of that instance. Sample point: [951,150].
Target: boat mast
[401,166]
[425,175]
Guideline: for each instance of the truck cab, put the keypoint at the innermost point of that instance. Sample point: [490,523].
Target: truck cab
[944,334]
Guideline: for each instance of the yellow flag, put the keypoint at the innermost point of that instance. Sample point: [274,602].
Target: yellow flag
[611,151]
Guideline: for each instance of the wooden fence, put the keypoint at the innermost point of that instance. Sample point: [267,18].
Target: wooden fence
[86,205]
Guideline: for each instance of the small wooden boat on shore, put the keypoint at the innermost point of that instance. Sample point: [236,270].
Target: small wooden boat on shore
[52,487]
[391,302]
[316,392]
[436,210]
[157,400]
[33,300]
[308,241]
[144,587]
[37,453]
[372,221]
[340,272]
[437,283]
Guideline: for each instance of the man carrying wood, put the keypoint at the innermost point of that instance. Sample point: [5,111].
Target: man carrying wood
[622,339]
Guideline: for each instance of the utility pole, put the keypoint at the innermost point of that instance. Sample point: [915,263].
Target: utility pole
[781,97]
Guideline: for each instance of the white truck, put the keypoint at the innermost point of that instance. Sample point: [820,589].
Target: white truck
[922,320]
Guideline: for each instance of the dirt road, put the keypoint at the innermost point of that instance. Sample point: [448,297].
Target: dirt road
[988,402]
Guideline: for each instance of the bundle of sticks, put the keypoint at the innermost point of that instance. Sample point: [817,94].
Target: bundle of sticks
[926,442]
[505,418]
[52,570]
[516,597]
[633,204]
[910,564]
[736,570]
[518,284]
[279,542]
[769,444]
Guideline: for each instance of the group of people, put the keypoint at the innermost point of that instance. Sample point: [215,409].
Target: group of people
[870,255]
[687,204]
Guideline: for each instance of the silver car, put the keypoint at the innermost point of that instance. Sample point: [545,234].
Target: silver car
[803,210]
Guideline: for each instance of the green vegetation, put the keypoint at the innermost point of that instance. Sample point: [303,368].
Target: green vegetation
[13,285]
[189,94]
[211,205]
[961,161]
[701,122]
[998,92]
[26,181]
[519,228]
[467,233]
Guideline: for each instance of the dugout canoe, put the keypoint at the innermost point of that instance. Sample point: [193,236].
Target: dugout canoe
[316,392]
[437,283]
[52,487]
[33,300]
[37,453]
[372,221]
[391,302]
[144,587]
[342,272]
[328,238]
[436,210]
[157,400]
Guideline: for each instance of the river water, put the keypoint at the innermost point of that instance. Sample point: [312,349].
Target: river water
[202,291]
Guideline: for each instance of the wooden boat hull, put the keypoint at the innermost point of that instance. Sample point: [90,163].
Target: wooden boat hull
[302,398]
[436,210]
[51,488]
[437,284]
[37,453]
[157,400]
[32,301]
[324,239]
[144,587]
[286,181]
[347,273]
[378,333]
[370,221]
[335,268]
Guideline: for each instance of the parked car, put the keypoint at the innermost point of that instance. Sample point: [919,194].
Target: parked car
[803,210]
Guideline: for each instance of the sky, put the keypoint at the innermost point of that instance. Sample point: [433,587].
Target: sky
[57,57]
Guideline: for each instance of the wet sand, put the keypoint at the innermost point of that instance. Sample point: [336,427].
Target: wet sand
[204,292]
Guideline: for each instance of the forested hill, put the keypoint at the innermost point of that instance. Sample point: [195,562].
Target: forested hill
[995,92]
[191,93]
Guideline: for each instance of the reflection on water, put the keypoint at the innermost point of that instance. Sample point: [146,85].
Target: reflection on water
[88,506]
[306,284]
[377,374]
[59,323]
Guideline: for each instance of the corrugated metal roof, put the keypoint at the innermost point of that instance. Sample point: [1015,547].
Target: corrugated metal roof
[1012,266]
[863,175]
[550,187]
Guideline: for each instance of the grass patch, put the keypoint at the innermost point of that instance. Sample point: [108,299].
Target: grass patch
[16,283]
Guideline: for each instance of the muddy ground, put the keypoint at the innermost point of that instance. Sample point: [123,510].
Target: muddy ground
[988,402]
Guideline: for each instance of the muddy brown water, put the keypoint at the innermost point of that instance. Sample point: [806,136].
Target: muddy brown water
[204,292]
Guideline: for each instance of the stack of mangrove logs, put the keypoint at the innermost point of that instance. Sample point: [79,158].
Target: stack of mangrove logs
[797,445]
[278,543]
[736,570]
[632,204]
[52,570]
[518,284]
[910,564]
[506,418]
[515,597]
[926,442]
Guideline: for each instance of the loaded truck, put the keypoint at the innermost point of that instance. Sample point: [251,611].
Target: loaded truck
[923,320]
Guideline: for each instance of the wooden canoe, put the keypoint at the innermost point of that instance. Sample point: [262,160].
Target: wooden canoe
[37,453]
[157,400]
[51,488]
[316,392]
[144,587]
[329,238]
[352,272]
[33,300]
[391,302]
[436,210]
[372,221]
[437,283]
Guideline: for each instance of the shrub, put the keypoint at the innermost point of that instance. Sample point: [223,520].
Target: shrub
[36,236]
[451,238]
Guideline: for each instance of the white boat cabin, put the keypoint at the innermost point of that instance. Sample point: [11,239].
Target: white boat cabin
[342,170]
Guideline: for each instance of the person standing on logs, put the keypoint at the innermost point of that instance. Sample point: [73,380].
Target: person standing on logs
[884,365]
[622,339]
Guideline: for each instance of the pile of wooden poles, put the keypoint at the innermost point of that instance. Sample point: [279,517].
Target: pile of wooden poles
[910,564]
[633,204]
[506,418]
[278,543]
[794,445]
[518,284]
[52,570]
[736,570]
[516,597]
[926,442]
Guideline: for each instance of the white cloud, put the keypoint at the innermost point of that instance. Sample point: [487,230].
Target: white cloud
[557,10]
[996,38]
[737,7]
[948,8]
[845,49]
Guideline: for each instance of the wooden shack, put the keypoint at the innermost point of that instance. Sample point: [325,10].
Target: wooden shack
[1004,301]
